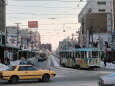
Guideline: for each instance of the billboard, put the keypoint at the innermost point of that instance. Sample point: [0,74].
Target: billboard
[32,24]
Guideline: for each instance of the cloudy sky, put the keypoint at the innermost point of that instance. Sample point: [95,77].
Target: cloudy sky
[53,16]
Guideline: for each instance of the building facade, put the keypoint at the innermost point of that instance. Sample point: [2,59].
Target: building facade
[96,23]
[20,43]
[68,44]
[46,47]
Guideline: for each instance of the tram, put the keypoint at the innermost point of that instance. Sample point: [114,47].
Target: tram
[80,58]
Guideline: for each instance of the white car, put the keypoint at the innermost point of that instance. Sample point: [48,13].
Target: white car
[108,80]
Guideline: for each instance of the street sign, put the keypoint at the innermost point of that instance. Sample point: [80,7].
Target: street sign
[32,24]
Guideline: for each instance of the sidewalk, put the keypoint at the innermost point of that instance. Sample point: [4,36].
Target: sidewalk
[3,67]
[109,65]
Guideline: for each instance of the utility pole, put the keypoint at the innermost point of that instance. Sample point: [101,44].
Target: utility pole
[92,31]
[17,38]
[3,15]
[17,32]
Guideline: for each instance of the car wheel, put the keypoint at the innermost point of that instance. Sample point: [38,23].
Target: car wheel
[40,80]
[9,81]
[45,77]
[14,79]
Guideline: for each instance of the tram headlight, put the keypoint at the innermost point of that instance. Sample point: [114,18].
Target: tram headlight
[91,62]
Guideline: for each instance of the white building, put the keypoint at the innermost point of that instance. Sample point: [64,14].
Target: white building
[67,44]
[96,23]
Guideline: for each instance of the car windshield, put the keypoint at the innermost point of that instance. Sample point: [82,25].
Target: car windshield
[11,68]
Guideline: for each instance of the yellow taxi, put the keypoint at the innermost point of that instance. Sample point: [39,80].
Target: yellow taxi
[25,72]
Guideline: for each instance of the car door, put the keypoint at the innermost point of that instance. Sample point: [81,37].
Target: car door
[22,72]
[33,73]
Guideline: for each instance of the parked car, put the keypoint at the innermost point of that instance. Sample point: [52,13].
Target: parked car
[107,80]
[26,72]
[41,59]
[26,62]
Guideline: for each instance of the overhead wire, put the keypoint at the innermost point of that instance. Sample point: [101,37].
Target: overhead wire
[57,7]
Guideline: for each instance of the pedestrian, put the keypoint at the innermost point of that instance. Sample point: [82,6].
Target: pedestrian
[102,56]
[105,61]
[8,61]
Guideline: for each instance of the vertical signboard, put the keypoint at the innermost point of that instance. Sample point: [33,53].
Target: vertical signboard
[109,27]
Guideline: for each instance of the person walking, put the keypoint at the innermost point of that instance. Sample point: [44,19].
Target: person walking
[105,61]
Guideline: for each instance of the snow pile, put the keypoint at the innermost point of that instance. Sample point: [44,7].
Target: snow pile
[108,65]
[3,67]
[14,63]
[32,59]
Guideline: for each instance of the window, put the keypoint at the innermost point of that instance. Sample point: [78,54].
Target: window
[94,54]
[76,54]
[11,68]
[83,54]
[101,3]
[22,68]
[30,68]
[90,54]
[26,68]
[101,10]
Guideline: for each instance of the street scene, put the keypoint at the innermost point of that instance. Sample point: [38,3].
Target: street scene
[57,42]
[64,76]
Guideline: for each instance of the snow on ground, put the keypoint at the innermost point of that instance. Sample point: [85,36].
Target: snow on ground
[14,63]
[32,59]
[55,61]
[3,67]
[108,65]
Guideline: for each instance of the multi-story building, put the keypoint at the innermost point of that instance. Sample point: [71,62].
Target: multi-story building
[20,42]
[46,47]
[37,42]
[113,12]
[113,21]
[96,23]
[12,36]
[67,44]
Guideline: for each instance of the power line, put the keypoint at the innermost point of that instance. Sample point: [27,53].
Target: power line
[36,6]
[54,0]
[62,0]
[39,14]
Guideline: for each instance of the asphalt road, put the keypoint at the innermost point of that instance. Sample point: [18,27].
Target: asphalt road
[64,77]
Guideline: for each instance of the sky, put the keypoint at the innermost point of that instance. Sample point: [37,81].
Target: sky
[53,17]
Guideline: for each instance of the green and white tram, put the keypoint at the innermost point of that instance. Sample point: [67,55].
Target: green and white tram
[80,58]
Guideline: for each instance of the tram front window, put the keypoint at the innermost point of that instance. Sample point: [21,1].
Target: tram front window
[94,54]
[84,54]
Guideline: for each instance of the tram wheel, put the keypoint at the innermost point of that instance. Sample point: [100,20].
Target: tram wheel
[77,67]
[63,65]
[91,68]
